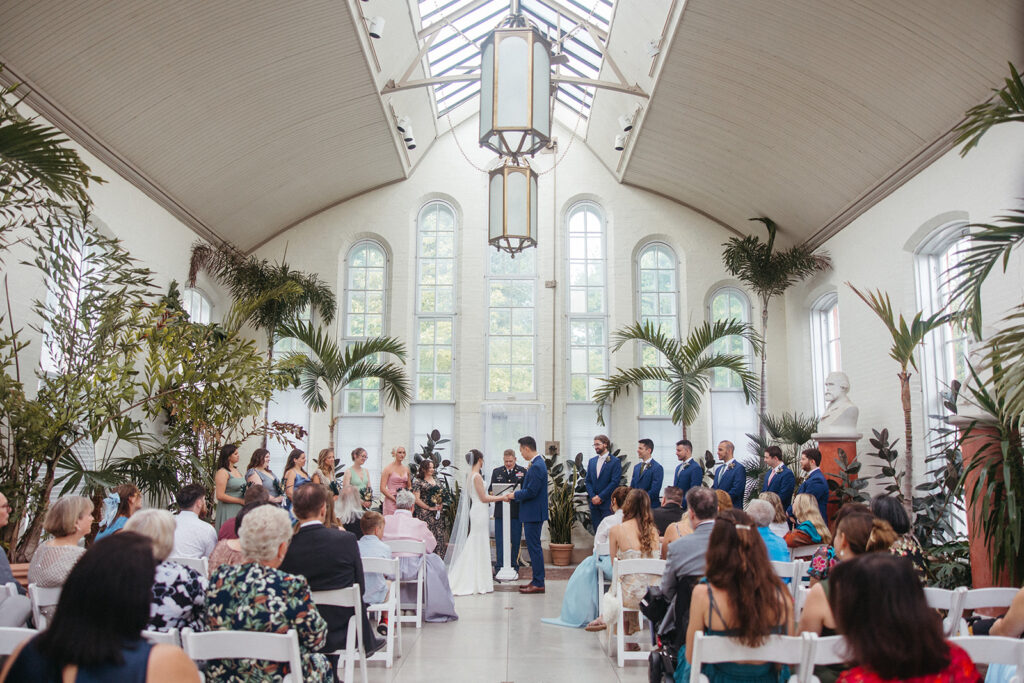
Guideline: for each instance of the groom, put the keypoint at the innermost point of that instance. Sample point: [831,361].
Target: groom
[533,509]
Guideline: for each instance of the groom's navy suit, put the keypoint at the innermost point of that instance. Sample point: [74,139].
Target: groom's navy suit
[533,512]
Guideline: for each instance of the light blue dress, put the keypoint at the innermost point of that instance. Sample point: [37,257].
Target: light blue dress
[581,603]
[1000,673]
[299,481]
[116,525]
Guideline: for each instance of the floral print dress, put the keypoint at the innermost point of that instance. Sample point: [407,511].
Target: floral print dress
[432,495]
[179,593]
[253,597]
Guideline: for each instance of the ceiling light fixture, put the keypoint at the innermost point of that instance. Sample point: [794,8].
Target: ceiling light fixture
[620,143]
[376,27]
[653,47]
[404,122]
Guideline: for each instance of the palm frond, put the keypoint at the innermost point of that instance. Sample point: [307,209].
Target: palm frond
[393,381]
[1006,104]
[905,336]
[647,333]
[621,382]
[768,272]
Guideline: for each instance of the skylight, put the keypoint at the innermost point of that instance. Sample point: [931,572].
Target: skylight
[456,49]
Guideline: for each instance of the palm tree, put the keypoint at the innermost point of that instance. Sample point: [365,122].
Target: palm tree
[688,366]
[248,278]
[769,273]
[1006,104]
[326,367]
[905,339]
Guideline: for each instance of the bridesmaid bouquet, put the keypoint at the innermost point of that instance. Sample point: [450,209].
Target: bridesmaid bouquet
[435,496]
[366,494]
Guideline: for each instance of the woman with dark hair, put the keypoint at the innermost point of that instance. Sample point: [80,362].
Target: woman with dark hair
[228,484]
[636,537]
[294,475]
[258,472]
[741,597]
[123,502]
[891,510]
[429,499]
[96,633]
[890,631]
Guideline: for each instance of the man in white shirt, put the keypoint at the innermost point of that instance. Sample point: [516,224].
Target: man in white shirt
[192,536]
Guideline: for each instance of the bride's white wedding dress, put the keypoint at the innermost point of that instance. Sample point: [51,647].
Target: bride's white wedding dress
[471,569]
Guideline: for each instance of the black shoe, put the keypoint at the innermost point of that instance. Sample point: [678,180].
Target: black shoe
[377,645]
[382,629]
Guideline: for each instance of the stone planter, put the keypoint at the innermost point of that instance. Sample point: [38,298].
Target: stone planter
[561,554]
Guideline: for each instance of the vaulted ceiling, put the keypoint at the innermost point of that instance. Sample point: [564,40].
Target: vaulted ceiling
[243,117]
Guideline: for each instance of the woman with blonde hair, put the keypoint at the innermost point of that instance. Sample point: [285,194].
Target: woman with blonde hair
[780,523]
[810,528]
[324,473]
[68,520]
[394,478]
[350,510]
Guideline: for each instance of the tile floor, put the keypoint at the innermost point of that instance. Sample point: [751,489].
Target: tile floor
[499,637]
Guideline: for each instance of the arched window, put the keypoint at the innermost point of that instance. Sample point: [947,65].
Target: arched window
[511,328]
[365,317]
[657,299]
[588,321]
[944,353]
[825,352]
[197,306]
[731,415]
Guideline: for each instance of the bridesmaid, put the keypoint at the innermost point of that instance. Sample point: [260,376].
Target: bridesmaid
[358,477]
[229,482]
[294,474]
[429,497]
[324,473]
[259,472]
[394,478]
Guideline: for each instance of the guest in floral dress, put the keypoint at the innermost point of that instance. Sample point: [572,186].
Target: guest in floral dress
[892,511]
[429,499]
[68,520]
[257,596]
[179,592]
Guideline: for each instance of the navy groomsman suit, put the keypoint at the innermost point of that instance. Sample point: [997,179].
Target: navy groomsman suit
[731,477]
[781,482]
[688,475]
[602,484]
[816,485]
[649,477]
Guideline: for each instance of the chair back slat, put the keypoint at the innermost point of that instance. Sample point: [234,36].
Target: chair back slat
[162,637]
[712,649]
[274,647]
[410,547]
[829,650]
[11,638]
[993,650]
[339,597]
[602,548]
[803,551]
[977,598]
[382,565]
[200,564]
[642,565]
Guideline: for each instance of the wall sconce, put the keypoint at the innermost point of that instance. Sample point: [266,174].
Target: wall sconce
[376,27]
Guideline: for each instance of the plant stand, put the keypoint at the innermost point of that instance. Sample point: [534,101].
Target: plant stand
[829,445]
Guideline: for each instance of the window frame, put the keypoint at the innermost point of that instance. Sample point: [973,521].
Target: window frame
[385,313]
[489,279]
[586,317]
[748,349]
[637,303]
[419,316]
[822,362]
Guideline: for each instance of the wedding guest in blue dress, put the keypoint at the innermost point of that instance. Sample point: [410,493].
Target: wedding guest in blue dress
[581,603]
[738,575]
[294,476]
[1010,625]
[121,504]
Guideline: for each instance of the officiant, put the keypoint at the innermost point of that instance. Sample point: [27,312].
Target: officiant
[509,473]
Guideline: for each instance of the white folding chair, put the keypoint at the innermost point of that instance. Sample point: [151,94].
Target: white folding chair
[162,637]
[823,652]
[994,650]
[42,597]
[200,564]
[799,601]
[274,647]
[10,589]
[347,597]
[950,600]
[803,551]
[11,638]
[406,547]
[789,650]
[624,568]
[387,567]
[794,571]
[599,550]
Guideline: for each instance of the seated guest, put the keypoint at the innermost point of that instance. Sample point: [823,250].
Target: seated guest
[179,592]
[123,502]
[192,536]
[671,509]
[780,522]
[891,510]
[438,603]
[824,558]
[373,545]
[1010,625]
[14,609]
[255,493]
[635,538]
[350,509]
[91,640]
[229,551]
[328,559]
[724,499]
[810,528]
[902,638]
[762,513]
[257,596]
[68,520]
[739,575]
[581,603]
[685,558]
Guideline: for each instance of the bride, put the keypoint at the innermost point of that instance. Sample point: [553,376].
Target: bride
[469,552]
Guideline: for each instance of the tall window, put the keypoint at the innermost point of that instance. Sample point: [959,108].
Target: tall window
[286,405]
[944,353]
[825,354]
[511,335]
[197,306]
[731,416]
[434,406]
[657,296]
[588,323]
[365,317]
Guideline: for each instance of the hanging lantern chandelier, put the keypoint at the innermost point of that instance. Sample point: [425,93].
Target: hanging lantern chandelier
[515,121]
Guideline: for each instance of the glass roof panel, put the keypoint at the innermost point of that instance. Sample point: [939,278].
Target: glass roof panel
[456,49]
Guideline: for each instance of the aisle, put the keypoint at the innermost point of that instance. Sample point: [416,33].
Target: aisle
[498,638]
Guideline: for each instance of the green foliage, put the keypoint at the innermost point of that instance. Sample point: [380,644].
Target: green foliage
[949,564]
[431,450]
[688,366]
[565,507]
[939,498]
[889,472]
[848,486]
[788,430]
[1006,104]
[906,337]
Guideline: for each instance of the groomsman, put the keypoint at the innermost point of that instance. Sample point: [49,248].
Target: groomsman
[648,474]
[603,473]
[509,473]
[814,482]
[689,473]
[780,479]
[730,476]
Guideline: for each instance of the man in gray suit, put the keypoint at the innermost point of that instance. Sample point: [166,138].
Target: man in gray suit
[686,555]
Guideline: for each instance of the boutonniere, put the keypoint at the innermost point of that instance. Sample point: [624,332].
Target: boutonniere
[731,465]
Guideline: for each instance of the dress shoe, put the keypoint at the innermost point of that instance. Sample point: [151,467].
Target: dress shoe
[531,589]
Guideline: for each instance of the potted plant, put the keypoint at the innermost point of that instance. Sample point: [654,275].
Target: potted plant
[565,509]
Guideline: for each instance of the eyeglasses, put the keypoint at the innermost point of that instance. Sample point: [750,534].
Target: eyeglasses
[6,506]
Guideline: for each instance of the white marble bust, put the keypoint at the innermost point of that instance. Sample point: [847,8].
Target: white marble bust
[840,416]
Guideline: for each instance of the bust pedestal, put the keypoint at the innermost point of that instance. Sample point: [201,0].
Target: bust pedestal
[829,444]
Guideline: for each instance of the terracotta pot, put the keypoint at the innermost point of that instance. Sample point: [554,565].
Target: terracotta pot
[561,554]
